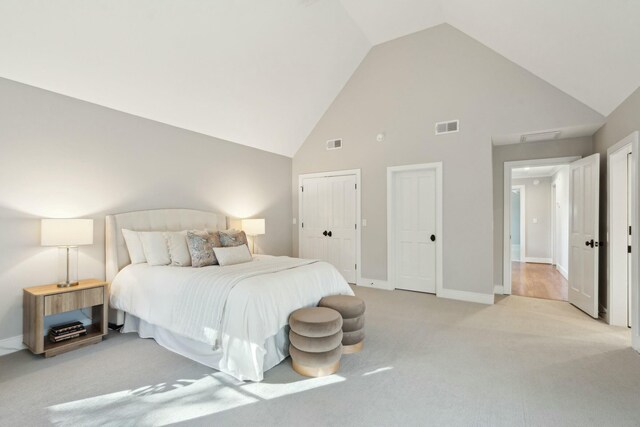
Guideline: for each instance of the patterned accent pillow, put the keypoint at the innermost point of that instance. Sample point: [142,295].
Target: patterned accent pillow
[233,238]
[201,246]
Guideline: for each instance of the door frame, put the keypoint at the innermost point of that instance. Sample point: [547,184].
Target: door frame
[634,140]
[357,173]
[523,220]
[392,171]
[506,213]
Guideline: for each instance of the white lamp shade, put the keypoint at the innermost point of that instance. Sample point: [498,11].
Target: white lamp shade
[66,232]
[253,227]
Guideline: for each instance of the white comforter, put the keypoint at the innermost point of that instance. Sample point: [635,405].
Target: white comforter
[235,309]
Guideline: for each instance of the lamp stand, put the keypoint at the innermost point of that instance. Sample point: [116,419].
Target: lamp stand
[67,283]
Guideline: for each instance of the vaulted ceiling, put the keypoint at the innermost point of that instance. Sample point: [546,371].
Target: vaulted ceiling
[262,72]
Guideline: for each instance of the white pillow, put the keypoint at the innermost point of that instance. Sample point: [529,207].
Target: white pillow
[155,247]
[134,246]
[178,248]
[232,255]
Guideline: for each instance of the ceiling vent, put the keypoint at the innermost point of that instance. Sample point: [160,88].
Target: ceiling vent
[334,144]
[540,136]
[447,127]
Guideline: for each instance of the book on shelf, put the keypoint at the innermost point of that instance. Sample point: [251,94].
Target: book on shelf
[68,336]
[66,327]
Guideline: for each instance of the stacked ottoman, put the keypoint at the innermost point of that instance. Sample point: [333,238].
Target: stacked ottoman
[316,337]
[352,309]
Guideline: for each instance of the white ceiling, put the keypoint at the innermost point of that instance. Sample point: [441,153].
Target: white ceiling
[262,73]
[536,171]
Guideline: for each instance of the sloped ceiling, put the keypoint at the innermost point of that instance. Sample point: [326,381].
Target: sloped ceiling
[262,73]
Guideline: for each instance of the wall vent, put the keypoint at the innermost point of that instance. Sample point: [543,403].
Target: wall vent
[447,127]
[334,144]
[540,136]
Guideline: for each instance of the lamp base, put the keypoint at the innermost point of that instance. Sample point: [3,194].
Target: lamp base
[67,284]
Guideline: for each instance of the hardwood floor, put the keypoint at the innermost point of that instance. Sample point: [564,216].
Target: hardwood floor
[538,281]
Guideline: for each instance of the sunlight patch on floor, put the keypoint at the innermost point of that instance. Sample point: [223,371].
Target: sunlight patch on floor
[164,404]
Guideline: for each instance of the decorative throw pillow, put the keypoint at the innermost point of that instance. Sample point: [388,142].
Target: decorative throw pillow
[201,246]
[233,238]
[155,247]
[178,248]
[134,246]
[232,255]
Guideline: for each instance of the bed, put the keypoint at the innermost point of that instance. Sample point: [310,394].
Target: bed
[232,318]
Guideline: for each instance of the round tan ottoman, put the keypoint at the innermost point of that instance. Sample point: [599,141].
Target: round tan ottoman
[316,341]
[352,310]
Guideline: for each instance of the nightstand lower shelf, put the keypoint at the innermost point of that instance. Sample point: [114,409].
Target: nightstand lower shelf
[94,335]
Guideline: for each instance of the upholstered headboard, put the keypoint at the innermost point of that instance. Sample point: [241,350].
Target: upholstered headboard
[117,256]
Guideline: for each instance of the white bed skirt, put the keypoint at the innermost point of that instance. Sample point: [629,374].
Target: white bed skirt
[277,346]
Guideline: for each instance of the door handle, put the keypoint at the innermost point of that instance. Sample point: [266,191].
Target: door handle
[329,234]
[325,233]
[590,243]
[433,237]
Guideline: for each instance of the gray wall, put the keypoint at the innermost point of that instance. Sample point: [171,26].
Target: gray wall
[529,151]
[537,204]
[402,88]
[621,122]
[60,157]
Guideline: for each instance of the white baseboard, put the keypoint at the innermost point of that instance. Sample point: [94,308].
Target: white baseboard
[10,345]
[466,296]
[539,260]
[563,271]
[498,290]
[375,283]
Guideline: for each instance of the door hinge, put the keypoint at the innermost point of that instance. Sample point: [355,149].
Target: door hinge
[356,186]
[356,266]
[302,188]
[629,230]
[302,224]
[356,226]
[629,249]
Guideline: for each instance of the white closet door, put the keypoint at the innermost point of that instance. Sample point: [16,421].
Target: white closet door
[341,225]
[314,218]
[584,184]
[415,230]
[328,222]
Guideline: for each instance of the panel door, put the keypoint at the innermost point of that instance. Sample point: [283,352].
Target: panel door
[415,229]
[329,219]
[341,225]
[584,194]
[314,216]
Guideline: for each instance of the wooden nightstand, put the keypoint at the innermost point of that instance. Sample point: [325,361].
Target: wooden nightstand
[42,301]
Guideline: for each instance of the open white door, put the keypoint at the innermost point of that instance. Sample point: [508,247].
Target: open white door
[584,195]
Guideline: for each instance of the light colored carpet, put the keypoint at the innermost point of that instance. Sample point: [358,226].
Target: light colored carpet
[426,361]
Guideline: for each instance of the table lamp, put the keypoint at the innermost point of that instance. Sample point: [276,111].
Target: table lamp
[253,228]
[67,235]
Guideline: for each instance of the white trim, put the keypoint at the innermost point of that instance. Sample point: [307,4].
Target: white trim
[538,260]
[562,271]
[391,270]
[625,146]
[466,296]
[357,174]
[376,284]
[634,140]
[506,213]
[11,345]
[523,220]
[498,289]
